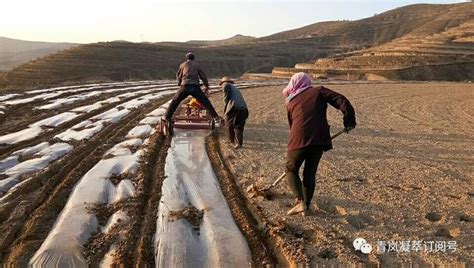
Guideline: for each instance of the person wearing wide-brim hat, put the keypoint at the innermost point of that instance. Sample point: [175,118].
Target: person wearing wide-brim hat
[235,110]
[226,79]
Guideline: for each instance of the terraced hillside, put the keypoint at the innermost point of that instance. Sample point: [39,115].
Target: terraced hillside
[124,60]
[447,55]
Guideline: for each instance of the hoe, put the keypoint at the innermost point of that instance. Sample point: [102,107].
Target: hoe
[254,190]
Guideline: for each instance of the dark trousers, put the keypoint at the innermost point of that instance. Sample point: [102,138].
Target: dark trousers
[310,156]
[235,123]
[183,92]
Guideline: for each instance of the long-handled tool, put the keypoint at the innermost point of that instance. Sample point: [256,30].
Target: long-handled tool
[277,181]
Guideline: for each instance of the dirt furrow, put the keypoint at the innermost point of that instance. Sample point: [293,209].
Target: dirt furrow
[133,241]
[253,227]
[140,248]
[31,210]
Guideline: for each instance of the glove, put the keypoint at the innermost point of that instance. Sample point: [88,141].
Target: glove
[349,123]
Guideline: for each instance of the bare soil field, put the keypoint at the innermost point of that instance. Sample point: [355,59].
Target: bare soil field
[86,182]
[404,174]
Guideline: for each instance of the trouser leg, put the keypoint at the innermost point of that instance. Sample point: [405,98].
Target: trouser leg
[239,136]
[294,160]
[229,123]
[312,156]
[202,98]
[241,117]
[182,93]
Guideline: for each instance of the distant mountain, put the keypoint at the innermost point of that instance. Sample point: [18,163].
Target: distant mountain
[418,19]
[240,54]
[14,52]
[234,40]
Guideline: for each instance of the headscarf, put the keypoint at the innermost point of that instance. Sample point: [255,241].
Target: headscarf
[299,82]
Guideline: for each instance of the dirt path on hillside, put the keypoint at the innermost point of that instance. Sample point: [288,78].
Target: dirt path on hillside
[410,157]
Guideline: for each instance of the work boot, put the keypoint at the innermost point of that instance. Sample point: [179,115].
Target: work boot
[298,208]
[239,136]
[231,136]
[306,211]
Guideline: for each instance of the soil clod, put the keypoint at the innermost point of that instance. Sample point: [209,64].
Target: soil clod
[327,254]
[340,211]
[433,216]
[360,221]
[191,214]
[448,232]
[465,217]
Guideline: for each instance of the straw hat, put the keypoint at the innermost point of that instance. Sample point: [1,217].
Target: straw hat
[226,79]
[190,56]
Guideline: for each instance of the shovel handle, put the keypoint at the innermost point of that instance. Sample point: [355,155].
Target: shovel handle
[279,179]
[340,132]
[284,173]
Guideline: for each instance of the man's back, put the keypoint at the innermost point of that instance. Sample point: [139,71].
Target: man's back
[233,98]
[189,73]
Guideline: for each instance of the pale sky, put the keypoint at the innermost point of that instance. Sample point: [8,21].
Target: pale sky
[86,21]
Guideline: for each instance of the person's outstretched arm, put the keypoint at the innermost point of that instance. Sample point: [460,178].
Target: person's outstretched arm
[179,75]
[340,102]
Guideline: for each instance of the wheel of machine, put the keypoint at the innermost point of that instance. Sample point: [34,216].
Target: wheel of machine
[166,127]
[170,131]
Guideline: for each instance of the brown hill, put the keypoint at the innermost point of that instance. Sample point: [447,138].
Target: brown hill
[234,40]
[14,52]
[120,60]
[124,61]
[425,19]
[448,55]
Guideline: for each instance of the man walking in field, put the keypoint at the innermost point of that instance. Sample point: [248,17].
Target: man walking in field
[235,110]
[188,77]
[309,134]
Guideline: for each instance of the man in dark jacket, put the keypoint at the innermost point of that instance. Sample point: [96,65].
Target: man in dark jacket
[235,110]
[188,77]
[309,134]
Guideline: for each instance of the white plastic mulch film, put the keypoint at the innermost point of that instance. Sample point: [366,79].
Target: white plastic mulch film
[191,182]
